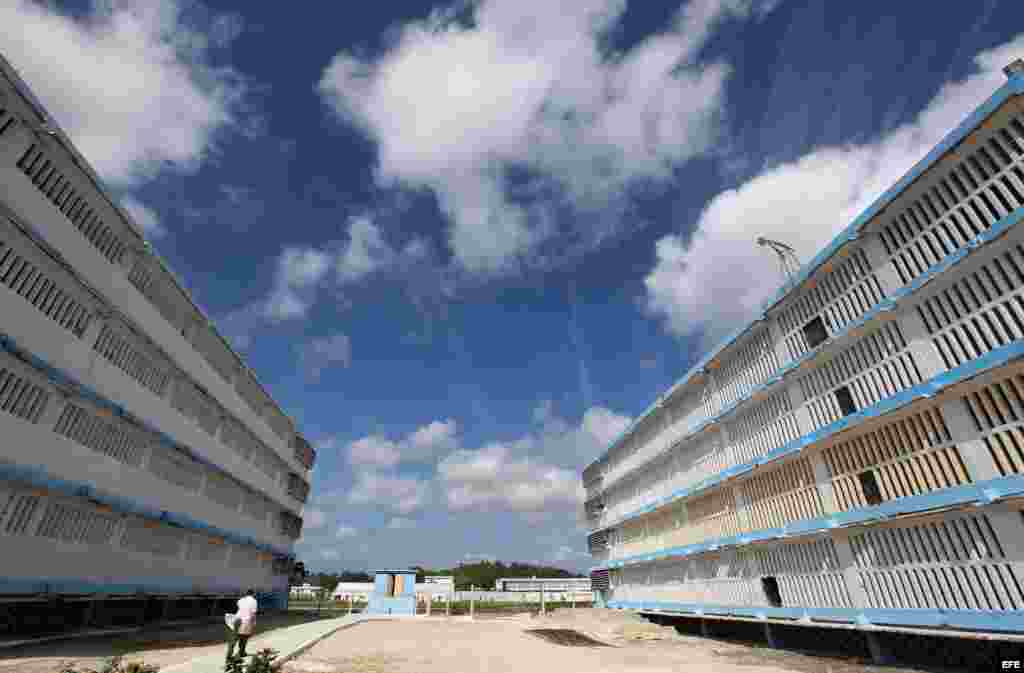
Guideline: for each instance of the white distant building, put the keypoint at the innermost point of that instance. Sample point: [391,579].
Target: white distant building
[303,591]
[550,584]
[355,591]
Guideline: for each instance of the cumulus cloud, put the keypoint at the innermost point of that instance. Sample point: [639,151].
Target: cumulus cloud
[535,473]
[144,217]
[523,112]
[130,82]
[493,477]
[323,352]
[302,271]
[804,203]
[403,494]
[299,270]
[423,444]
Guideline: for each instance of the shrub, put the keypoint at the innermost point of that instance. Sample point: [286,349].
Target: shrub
[261,662]
[116,665]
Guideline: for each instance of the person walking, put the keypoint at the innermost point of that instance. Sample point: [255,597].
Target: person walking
[240,624]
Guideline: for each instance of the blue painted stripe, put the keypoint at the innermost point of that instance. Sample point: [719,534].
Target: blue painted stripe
[1008,621]
[982,493]
[886,305]
[38,477]
[1013,87]
[991,360]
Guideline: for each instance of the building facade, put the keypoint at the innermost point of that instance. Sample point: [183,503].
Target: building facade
[855,454]
[141,456]
[553,584]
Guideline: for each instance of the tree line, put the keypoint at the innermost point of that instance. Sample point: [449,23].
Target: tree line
[482,574]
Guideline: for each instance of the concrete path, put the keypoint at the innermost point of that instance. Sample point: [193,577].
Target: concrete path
[289,642]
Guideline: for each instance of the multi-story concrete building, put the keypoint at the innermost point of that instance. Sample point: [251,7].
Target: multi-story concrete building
[855,455]
[140,456]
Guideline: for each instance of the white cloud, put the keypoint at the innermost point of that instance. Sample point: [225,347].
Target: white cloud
[298,272]
[302,270]
[365,253]
[374,450]
[423,444]
[130,82]
[401,523]
[323,352]
[804,203]
[345,531]
[144,217]
[312,519]
[455,109]
[403,494]
[493,477]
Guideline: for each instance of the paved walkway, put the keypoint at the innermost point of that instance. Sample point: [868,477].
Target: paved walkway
[289,642]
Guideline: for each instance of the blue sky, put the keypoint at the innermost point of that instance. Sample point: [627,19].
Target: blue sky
[463,244]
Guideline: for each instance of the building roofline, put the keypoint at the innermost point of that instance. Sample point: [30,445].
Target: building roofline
[1013,87]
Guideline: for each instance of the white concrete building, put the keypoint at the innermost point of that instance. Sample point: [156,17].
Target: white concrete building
[303,591]
[140,455]
[856,454]
[547,584]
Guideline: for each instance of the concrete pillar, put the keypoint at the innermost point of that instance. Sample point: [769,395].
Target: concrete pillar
[448,605]
[801,414]
[881,654]
[778,339]
[542,606]
[769,635]
[472,604]
[881,263]
[823,482]
[705,630]
[964,434]
[429,600]
[919,342]
[851,578]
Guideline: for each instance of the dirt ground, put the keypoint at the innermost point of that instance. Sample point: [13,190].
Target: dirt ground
[507,646]
[164,647]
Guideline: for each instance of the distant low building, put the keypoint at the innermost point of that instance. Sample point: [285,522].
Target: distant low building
[358,592]
[303,591]
[563,584]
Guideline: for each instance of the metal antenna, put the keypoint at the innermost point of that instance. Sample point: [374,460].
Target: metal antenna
[788,261]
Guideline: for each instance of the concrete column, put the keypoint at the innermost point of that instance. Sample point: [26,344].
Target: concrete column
[705,630]
[800,412]
[851,578]
[54,408]
[881,263]
[964,434]
[429,600]
[823,482]
[779,341]
[769,635]
[742,509]
[96,324]
[919,342]
[881,654]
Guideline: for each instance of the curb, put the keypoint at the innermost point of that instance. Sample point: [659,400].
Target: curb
[302,649]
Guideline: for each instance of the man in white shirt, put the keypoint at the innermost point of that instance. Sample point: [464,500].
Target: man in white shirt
[241,623]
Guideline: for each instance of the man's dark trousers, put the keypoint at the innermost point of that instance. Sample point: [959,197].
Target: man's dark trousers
[235,637]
